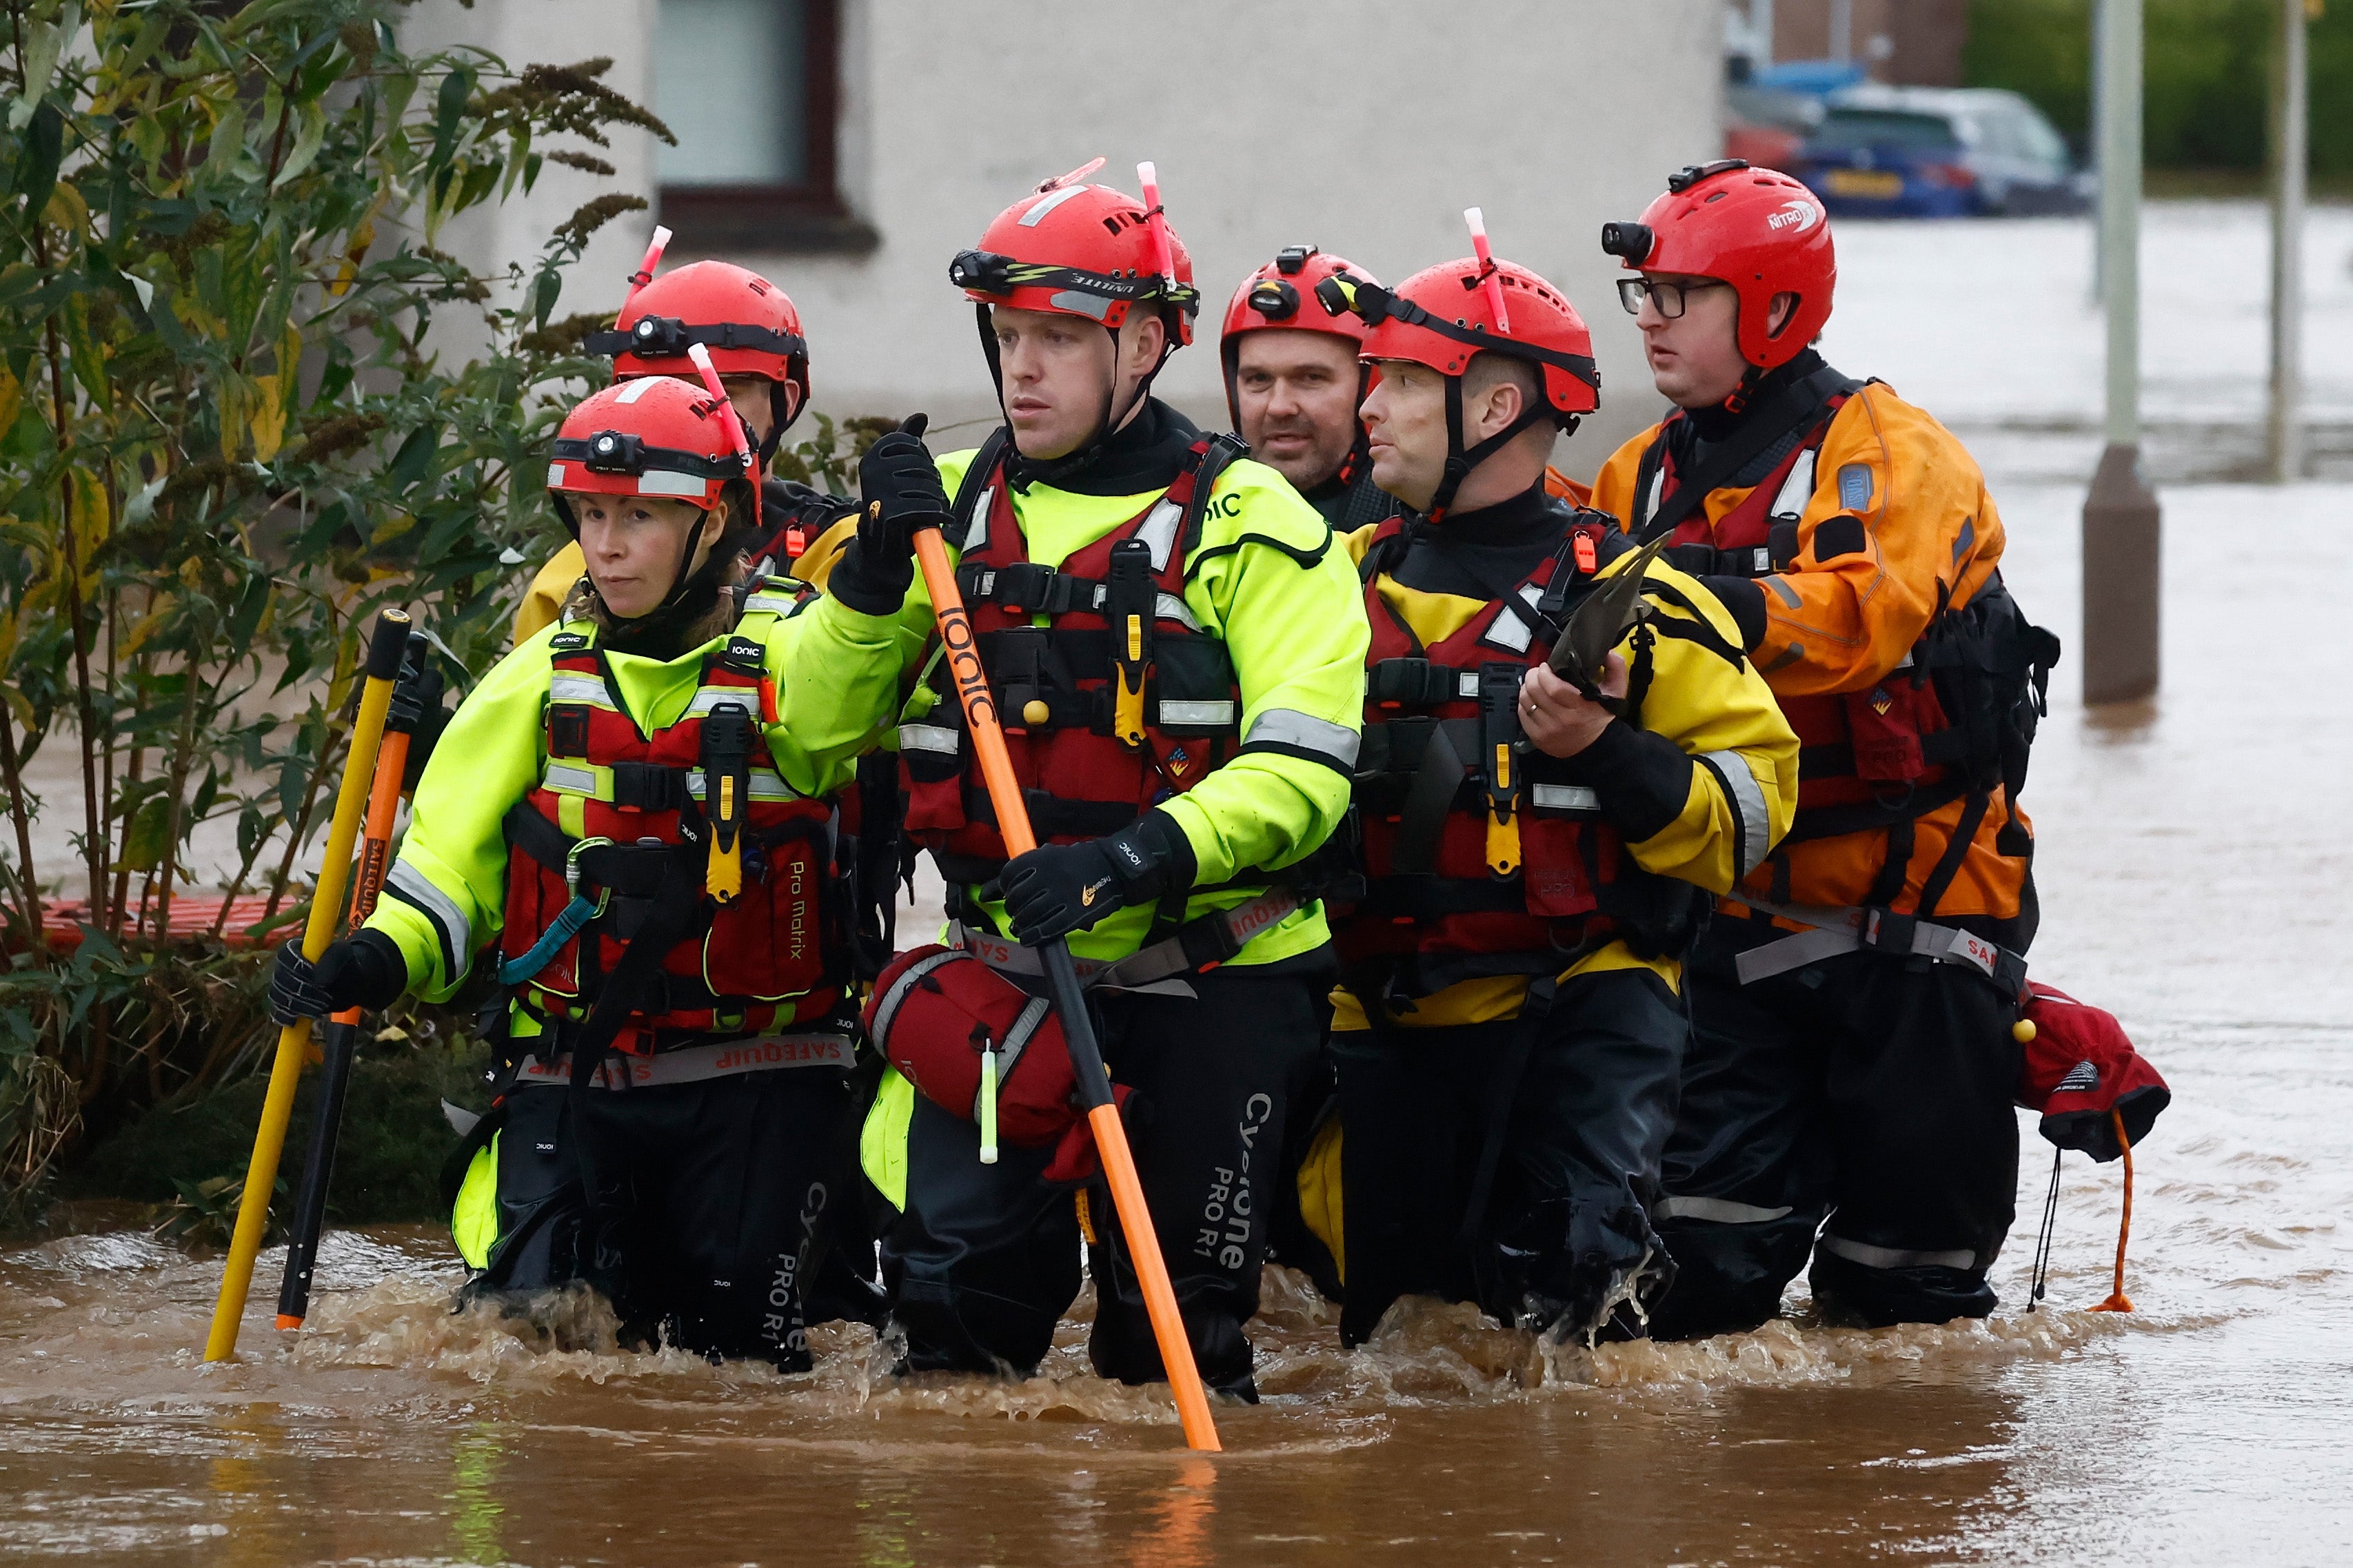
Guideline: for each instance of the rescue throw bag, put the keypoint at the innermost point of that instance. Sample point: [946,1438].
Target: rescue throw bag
[937,1011]
[2078,1068]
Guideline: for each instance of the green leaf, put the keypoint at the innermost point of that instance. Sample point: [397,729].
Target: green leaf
[307,142]
[227,142]
[150,836]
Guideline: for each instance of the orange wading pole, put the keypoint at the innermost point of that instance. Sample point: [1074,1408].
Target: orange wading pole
[342,1029]
[1070,1001]
[385,647]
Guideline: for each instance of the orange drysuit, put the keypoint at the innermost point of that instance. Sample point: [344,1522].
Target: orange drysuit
[1893,524]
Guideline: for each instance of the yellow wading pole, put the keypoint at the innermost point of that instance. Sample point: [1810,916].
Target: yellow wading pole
[1078,1030]
[385,648]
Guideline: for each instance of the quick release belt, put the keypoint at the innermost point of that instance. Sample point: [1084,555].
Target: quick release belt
[1871,930]
[695,1063]
[1199,945]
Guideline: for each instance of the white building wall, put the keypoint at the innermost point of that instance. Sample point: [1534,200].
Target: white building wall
[1363,126]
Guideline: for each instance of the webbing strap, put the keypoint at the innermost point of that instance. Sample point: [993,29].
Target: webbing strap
[1793,405]
[1858,929]
[1197,945]
[695,1064]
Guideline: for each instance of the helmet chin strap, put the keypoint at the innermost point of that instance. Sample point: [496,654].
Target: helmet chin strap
[1461,460]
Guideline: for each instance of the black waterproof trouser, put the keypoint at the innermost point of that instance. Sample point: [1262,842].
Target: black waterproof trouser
[1566,1114]
[1870,1092]
[715,1203]
[984,1259]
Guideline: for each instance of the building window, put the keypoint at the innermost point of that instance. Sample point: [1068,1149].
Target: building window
[751,90]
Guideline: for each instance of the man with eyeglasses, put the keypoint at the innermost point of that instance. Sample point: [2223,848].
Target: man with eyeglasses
[1852,1066]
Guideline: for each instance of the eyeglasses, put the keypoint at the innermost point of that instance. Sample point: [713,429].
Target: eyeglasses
[1668,297]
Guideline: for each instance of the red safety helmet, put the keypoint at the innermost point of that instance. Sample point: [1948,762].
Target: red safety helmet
[1283,294]
[1757,229]
[1442,316]
[747,322]
[655,435]
[1084,250]
[1080,250]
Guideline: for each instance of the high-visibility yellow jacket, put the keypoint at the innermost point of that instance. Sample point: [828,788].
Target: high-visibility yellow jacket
[1846,612]
[1702,702]
[445,898]
[1266,579]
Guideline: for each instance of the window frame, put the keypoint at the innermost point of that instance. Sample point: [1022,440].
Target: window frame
[809,214]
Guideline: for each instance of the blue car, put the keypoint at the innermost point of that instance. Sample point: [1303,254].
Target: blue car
[1884,151]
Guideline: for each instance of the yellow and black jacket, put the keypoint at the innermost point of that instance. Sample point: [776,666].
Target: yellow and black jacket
[1542,867]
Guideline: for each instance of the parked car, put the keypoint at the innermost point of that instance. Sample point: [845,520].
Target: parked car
[1904,151]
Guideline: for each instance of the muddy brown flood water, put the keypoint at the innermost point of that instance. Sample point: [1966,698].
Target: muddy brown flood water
[2195,864]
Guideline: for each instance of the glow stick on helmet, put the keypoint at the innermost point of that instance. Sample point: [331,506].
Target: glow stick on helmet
[1073,177]
[644,272]
[1159,222]
[735,431]
[1478,222]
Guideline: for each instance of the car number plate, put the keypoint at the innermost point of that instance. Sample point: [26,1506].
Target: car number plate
[1877,183]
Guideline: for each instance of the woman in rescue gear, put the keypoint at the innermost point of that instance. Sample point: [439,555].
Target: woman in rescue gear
[626,821]
[1294,383]
[1510,1028]
[753,333]
[1175,651]
[1852,1063]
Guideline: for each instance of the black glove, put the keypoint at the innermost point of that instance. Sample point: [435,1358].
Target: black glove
[364,971]
[902,490]
[1057,888]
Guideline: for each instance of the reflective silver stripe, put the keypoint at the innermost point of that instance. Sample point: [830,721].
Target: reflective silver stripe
[556,476]
[707,700]
[1009,1049]
[1792,952]
[1289,726]
[1513,629]
[1753,835]
[1200,715]
[1798,489]
[976,533]
[1048,202]
[412,888]
[1080,303]
[1658,490]
[768,604]
[695,1064]
[937,738]
[887,1010]
[766,784]
[1719,1211]
[1169,608]
[567,687]
[1872,1257]
[1466,684]
[569,778]
[1159,531]
[669,482]
[1564,797]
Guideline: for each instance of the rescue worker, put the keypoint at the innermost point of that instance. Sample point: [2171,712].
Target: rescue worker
[627,818]
[1293,384]
[1176,648]
[1511,1027]
[754,334]
[1852,1004]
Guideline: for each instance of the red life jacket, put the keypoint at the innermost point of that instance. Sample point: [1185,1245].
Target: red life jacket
[1116,618]
[619,808]
[1441,762]
[1955,718]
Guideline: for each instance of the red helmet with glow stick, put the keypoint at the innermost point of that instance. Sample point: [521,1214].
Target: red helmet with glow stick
[1445,315]
[1284,294]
